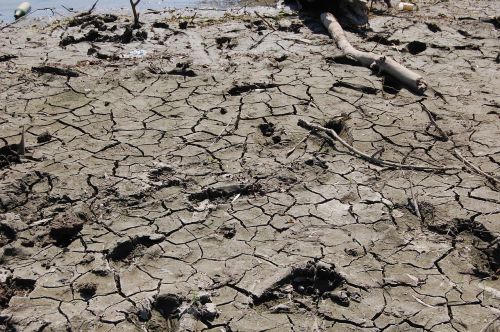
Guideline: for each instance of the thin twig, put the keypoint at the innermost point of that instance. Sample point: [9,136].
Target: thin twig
[289,153]
[433,122]
[265,21]
[414,199]
[484,329]
[380,162]
[475,168]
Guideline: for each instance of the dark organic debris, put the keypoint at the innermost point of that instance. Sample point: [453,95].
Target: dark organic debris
[55,71]
[228,231]
[7,57]
[267,129]
[433,27]
[87,290]
[380,39]
[161,25]
[228,42]
[239,89]
[183,25]
[213,193]
[182,69]
[44,137]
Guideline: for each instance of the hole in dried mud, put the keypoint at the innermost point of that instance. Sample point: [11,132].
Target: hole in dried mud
[87,290]
[490,251]
[224,192]
[338,125]
[7,234]
[65,228]
[416,47]
[9,154]
[124,248]
[312,279]
[15,287]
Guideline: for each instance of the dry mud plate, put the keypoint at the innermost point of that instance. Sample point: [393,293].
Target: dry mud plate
[172,189]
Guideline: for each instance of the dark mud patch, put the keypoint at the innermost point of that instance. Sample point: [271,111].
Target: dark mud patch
[224,192]
[15,287]
[313,279]
[487,261]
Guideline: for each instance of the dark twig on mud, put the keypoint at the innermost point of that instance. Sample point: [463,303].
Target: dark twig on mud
[443,135]
[292,150]
[265,21]
[380,162]
[88,12]
[55,71]
[414,199]
[467,163]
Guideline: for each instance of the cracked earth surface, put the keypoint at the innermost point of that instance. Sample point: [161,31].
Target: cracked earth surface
[164,192]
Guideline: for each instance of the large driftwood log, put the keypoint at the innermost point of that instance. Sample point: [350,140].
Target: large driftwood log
[371,60]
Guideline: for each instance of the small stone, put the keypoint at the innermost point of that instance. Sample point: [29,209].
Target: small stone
[340,298]
[280,308]
[209,311]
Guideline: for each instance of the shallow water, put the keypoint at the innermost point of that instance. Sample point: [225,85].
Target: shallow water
[7,7]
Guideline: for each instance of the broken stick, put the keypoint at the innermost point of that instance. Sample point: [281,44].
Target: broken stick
[467,163]
[371,60]
[380,162]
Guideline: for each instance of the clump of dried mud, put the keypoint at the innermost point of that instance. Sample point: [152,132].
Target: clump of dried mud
[166,185]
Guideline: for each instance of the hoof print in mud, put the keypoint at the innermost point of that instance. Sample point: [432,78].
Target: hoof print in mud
[65,228]
[313,279]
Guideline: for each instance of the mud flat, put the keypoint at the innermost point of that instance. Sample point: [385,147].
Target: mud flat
[166,184]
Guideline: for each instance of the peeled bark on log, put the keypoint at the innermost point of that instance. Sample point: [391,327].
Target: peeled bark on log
[371,60]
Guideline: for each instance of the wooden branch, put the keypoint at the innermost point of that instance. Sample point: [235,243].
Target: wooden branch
[467,163]
[380,162]
[371,60]
[134,4]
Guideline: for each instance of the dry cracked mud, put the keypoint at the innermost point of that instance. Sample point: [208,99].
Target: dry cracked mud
[172,189]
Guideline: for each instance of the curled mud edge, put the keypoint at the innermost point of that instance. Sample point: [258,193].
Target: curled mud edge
[162,182]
